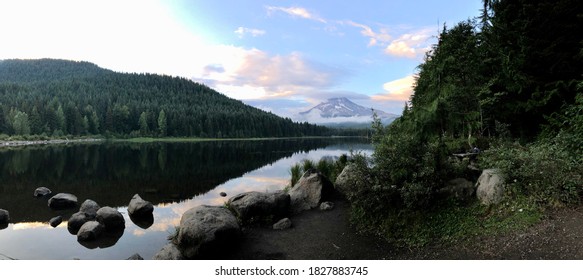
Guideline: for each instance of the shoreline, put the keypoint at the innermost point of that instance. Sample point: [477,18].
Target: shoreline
[195,139]
[21,143]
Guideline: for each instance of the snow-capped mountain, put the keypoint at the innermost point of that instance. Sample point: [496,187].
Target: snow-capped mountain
[339,107]
[342,110]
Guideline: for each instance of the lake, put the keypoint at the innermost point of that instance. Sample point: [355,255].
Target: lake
[173,176]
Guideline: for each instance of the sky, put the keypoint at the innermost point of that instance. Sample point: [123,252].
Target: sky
[280,56]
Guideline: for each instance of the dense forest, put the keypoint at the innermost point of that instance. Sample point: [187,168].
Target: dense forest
[57,97]
[510,83]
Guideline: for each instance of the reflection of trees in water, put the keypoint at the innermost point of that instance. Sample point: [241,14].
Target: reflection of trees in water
[19,163]
[112,173]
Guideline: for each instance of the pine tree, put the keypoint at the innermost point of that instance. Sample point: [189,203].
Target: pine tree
[162,123]
[21,124]
[143,123]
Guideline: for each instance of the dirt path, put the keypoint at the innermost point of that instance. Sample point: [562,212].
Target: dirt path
[327,235]
[315,235]
[557,237]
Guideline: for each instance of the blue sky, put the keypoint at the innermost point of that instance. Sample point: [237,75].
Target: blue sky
[281,56]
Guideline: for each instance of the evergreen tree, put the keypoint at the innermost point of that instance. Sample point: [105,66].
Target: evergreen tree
[21,124]
[36,125]
[143,123]
[162,124]
[61,120]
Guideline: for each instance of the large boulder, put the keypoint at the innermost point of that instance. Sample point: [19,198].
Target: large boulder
[89,207]
[311,189]
[4,217]
[90,231]
[460,189]
[490,187]
[169,252]
[351,179]
[140,207]
[141,212]
[250,205]
[110,218]
[206,231]
[41,191]
[63,201]
[76,222]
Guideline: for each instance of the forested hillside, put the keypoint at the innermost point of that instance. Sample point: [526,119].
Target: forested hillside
[509,82]
[58,97]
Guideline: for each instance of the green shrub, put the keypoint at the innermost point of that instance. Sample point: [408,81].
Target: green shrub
[544,171]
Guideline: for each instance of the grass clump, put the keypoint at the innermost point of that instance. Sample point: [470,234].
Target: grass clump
[329,168]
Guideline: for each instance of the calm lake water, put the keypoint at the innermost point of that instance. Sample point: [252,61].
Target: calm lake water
[173,176]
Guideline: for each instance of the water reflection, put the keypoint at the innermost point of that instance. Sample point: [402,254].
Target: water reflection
[175,177]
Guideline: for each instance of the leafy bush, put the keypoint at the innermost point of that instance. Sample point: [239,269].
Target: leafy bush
[544,171]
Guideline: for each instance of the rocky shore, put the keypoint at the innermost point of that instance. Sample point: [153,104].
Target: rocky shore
[212,232]
[255,225]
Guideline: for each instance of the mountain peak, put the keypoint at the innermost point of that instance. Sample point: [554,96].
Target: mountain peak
[336,99]
[342,107]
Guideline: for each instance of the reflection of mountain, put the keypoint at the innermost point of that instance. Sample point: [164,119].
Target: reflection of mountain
[111,174]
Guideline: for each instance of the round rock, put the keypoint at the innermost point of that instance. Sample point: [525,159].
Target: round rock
[140,207]
[42,191]
[207,230]
[110,218]
[63,201]
[90,231]
[54,222]
[284,223]
[76,221]
[89,207]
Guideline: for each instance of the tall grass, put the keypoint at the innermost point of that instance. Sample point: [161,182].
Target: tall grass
[328,168]
[296,173]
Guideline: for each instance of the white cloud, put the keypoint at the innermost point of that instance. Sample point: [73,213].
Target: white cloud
[296,12]
[410,45]
[397,90]
[375,38]
[242,31]
[314,117]
[254,74]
